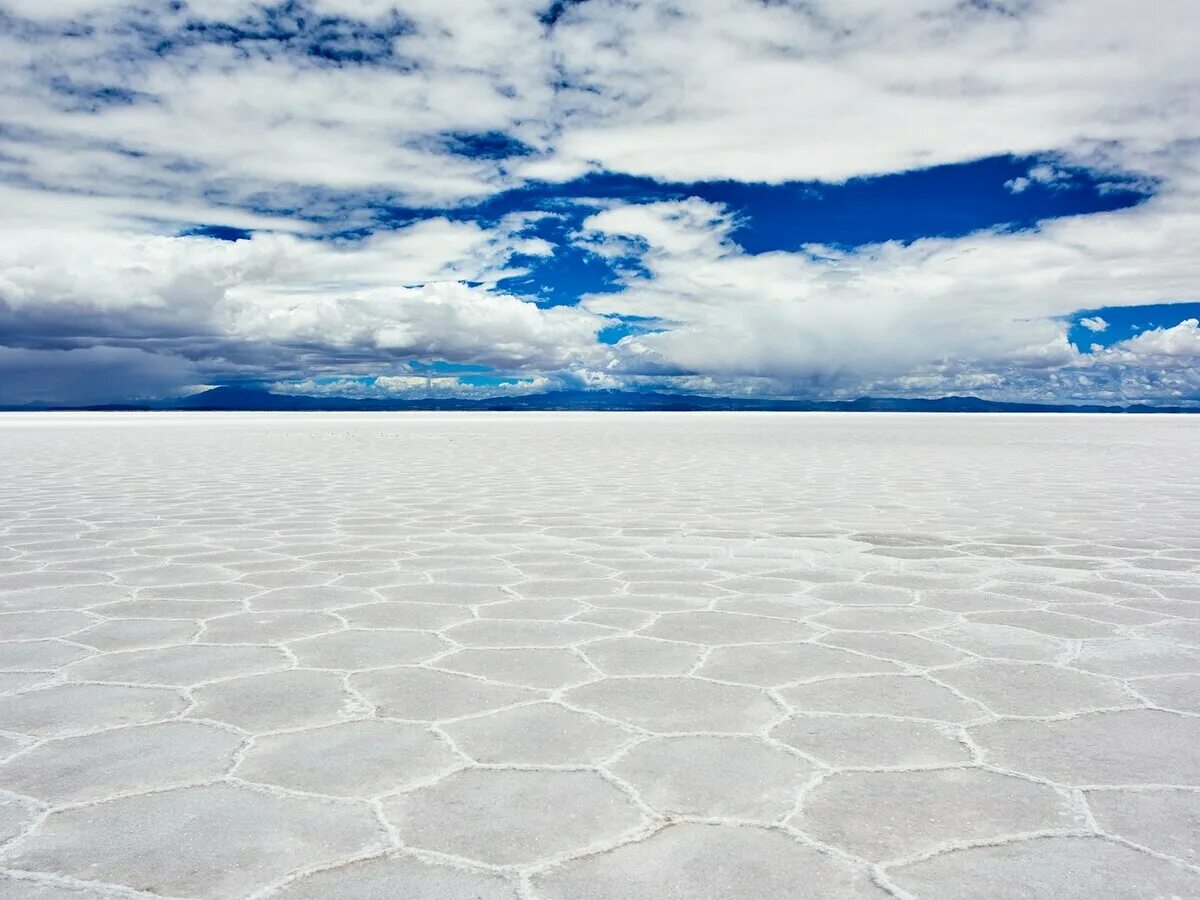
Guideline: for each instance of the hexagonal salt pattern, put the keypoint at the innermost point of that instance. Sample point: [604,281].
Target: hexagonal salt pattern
[599,656]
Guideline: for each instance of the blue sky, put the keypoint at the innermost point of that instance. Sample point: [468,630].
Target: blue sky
[819,199]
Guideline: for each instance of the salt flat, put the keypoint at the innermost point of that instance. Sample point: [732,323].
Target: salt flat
[599,656]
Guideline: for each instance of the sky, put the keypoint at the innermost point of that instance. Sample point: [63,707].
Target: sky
[774,198]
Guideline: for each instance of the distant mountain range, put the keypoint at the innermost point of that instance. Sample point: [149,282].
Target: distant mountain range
[252,400]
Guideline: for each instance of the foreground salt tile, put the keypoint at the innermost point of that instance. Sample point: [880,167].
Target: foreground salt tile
[1109,612]
[523,633]
[1177,692]
[30,625]
[208,592]
[892,619]
[863,594]
[896,695]
[537,734]
[72,708]
[889,815]
[553,608]
[137,634]
[291,699]
[413,693]
[192,611]
[267,627]
[184,665]
[725,628]
[1072,868]
[769,665]
[285,585]
[11,744]
[355,649]
[23,581]
[535,667]
[513,816]
[715,776]
[52,598]
[1033,689]
[971,601]
[1129,658]
[38,655]
[1053,624]
[620,619]
[216,841]
[15,816]
[796,609]
[653,602]
[567,588]
[1099,748]
[299,598]
[400,876]
[688,861]
[401,614]
[453,594]
[121,760]
[173,575]
[1001,642]
[1185,632]
[1164,819]
[907,649]
[350,759]
[872,741]
[1184,609]
[676,704]
[635,655]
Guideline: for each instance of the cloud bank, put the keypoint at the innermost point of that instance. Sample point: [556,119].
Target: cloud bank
[410,183]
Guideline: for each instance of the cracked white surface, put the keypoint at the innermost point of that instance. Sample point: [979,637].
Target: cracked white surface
[599,656]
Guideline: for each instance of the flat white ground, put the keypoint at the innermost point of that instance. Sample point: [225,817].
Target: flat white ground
[599,656]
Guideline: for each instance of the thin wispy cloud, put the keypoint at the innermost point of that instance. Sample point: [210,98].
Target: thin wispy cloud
[725,196]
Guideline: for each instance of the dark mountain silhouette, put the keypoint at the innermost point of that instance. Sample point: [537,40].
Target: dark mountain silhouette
[255,400]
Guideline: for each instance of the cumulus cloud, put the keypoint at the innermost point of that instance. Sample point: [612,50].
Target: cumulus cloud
[385,387]
[1043,174]
[426,290]
[1159,364]
[1094,323]
[930,316]
[1175,347]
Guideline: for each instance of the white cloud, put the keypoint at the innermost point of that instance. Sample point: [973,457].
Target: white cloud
[831,90]
[263,122]
[932,316]
[1094,323]
[1159,364]
[1174,347]
[395,294]
[713,89]
[1043,174]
